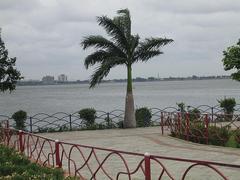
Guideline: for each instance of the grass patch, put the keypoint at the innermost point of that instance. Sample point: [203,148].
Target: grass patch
[17,167]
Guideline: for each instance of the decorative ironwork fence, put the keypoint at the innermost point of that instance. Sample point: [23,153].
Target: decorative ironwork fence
[89,162]
[62,121]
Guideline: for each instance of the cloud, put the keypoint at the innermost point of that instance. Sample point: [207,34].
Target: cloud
[45,35]
[194,7]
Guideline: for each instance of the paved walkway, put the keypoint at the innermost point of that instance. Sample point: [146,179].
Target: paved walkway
[150,140]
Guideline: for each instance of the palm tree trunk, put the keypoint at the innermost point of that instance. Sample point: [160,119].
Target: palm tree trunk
[129,118]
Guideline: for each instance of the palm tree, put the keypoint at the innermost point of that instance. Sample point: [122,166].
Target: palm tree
[122,48]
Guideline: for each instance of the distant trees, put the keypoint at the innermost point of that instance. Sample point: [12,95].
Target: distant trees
[122,48]
[231,60]
[9,75]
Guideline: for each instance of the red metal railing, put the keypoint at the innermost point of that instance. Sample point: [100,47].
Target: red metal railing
[197,127]
[89,162]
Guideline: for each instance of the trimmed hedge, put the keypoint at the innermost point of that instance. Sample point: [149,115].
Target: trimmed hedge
[88,115]
[20,118]
[143,117]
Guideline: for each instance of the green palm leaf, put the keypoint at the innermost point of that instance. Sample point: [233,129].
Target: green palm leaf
[114,30]
[103,70]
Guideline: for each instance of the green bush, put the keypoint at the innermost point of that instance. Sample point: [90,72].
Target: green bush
[20,118]
[232,142]
[194,114]
[143,117]
[237,136]
[228,105]
[64,128]
[53,129]
[197,132]
[120,124]
[91,127]
[109,123]
[47,129]
[218,135]
[88,115]
[181,106]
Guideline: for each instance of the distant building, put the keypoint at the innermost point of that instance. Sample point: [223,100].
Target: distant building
[62,78]
[48,80]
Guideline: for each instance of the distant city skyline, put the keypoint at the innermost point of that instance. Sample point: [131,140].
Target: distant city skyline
[45,35]
[63,78]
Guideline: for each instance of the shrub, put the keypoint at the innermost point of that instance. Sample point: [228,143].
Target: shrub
[143,117]
[88,115]
[102,126]
[232,142]
[109,123]
[218,135]
[237,136]
[181,107]
[196,133]
[91,127]
[64,128]
[194,114]
[120,124]
[228,105]
[20,118]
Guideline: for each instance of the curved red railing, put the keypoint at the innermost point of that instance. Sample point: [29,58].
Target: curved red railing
[89,162]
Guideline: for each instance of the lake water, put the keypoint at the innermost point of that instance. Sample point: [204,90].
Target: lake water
[110,96]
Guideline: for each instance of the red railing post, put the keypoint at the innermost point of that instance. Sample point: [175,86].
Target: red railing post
[6,133]
[21,143]
[187,126]
[7,124]
[147,166]
[57,154]
[162,125]
[206,128]
[179,123]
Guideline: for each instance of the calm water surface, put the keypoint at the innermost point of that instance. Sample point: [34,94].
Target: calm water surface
[71,98]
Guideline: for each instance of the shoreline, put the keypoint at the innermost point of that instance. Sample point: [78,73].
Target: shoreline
[39,83]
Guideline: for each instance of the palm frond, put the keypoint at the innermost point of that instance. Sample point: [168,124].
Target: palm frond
[134,43]
[114,30]
[146,55]
[96,57]
[125,12]
[99,42]
[98,75]
[149,48]
[103,70]
[154,43]
[125,21]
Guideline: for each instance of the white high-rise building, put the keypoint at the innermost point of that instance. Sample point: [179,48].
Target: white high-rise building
[62,78]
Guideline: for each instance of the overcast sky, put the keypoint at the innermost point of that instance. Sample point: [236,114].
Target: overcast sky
[44,35]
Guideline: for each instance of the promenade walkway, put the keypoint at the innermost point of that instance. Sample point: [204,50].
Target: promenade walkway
[150,140]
